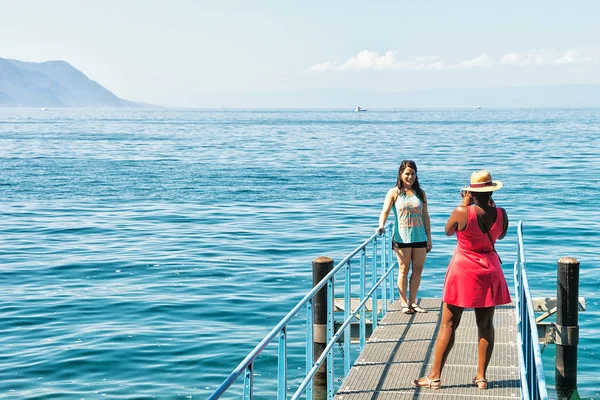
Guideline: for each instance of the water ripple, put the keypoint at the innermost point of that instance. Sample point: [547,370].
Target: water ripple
[145,252]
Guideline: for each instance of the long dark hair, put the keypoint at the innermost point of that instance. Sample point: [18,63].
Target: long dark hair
[415,187]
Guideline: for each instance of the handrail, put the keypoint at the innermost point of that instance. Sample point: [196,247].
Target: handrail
[280,330]
[533,380]
[334,339]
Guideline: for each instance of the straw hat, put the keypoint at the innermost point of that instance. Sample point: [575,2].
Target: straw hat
[481,181]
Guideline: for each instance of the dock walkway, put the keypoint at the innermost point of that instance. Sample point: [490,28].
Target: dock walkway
[402,347]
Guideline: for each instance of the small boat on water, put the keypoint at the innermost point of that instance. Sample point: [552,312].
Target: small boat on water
[358,109]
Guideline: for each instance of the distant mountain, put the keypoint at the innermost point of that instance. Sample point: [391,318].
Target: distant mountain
[529,96]
[52,84]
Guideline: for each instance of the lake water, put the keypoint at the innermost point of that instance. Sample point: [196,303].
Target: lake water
[146,252]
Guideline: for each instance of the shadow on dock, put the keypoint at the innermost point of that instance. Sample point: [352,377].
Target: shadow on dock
[402,347]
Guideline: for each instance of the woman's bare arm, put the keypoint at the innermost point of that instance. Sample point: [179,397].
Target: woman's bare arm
[387,207]
[504,225]
[427,222]
[457,220]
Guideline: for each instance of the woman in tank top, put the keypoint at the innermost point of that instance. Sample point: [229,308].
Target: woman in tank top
[411,240]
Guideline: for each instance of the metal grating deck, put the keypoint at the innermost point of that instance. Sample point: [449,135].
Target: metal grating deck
[401,350]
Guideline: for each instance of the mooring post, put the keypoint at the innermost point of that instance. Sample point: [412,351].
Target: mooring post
[567,328]
[321,267]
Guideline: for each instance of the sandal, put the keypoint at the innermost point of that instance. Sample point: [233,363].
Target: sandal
[482,384]
[418,308]
[431,383]
[407,310]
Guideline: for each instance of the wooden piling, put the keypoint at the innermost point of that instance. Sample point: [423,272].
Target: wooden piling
[567,328]
[321,267]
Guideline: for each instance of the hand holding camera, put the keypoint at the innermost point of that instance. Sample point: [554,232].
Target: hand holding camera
[467,197]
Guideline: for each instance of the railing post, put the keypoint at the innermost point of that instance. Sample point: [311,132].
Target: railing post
[362,288]
[321,267]
[567,328]
[347,310]
[384,250]
[248,382]
[330,332]
[373,283]
[309,346]
[282,366]
[391,275]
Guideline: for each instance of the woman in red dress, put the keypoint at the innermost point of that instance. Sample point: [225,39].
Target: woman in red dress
[474,278]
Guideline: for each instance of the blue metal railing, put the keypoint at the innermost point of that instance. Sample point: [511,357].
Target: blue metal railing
[382,280]
[533,381]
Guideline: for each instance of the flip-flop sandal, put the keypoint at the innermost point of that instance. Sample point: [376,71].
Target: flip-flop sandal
[431,383]
[482,384]
[418,308]
[407,310]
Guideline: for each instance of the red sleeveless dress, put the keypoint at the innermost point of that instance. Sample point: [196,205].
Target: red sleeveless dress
[474,278]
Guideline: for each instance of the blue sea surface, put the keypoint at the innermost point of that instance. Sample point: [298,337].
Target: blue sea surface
[146,252]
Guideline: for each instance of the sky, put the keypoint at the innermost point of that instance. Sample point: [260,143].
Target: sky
[182,53]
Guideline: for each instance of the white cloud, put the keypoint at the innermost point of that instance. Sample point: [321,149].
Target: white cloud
[511,59]
[531,57]
[366,60]
[426,63]
[576,56]
[326,66]
[551,56]
[483,61]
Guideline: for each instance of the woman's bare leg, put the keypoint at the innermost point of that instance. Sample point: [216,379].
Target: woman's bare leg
[418,261]
[451,316]
[403,255]
[486,333]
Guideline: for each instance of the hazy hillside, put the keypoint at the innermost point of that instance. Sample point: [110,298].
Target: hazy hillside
[51,84]
[58,84]
[532,96]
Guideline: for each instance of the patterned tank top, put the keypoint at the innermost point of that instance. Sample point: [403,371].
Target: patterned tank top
[410,224]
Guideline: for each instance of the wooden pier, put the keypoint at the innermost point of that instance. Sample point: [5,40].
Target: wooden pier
[402,347]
